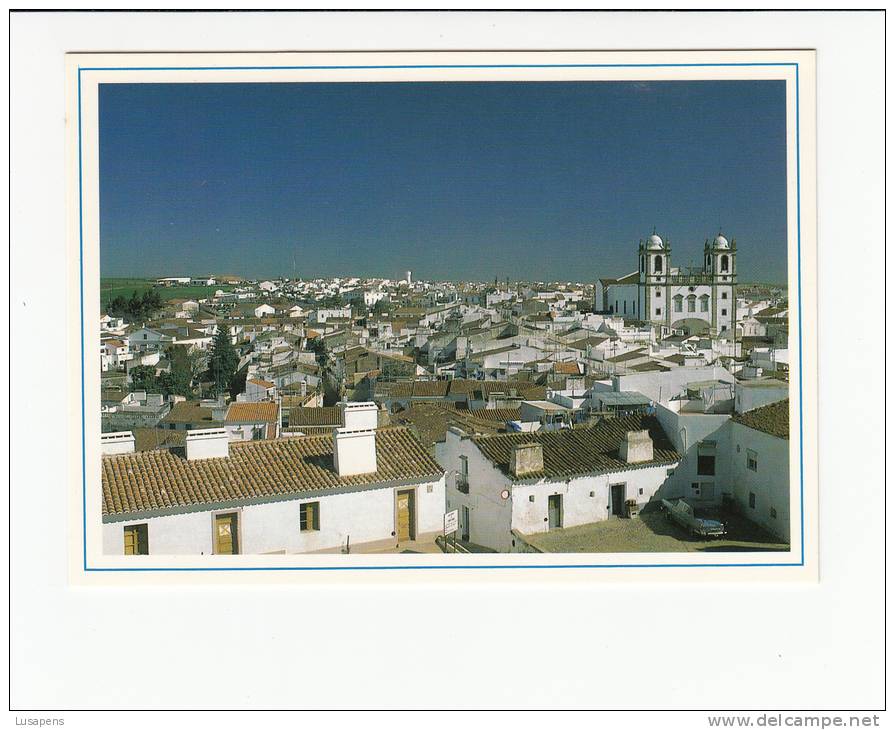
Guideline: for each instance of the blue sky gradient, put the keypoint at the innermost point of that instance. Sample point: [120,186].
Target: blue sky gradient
[538,181]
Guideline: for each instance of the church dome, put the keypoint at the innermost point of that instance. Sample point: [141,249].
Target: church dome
[654,243]
[721,242]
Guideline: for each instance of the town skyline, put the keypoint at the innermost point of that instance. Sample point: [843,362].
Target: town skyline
[532,181]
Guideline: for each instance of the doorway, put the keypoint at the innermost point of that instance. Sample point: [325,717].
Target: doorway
[554,511]
[464,523]
[617,498]
[404,518]
[226,534]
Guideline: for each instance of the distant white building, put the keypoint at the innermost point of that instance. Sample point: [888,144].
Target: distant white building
[695,301]
[320,316]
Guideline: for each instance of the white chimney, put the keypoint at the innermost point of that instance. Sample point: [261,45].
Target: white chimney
[636,447]
[119,442]
[359,416]
[207,443]
[354,444]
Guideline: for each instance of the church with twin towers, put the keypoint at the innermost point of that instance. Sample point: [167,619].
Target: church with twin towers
[697,300]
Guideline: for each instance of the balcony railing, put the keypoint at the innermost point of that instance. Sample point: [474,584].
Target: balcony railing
[462,483]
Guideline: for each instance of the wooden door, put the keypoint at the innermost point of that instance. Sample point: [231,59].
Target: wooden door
[136,540]
[404,518]
[226,534]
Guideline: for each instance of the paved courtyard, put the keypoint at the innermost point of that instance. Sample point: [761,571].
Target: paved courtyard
[653,533]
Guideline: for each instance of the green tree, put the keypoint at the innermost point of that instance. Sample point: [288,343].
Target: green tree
[184,370]
[143,378]
[222,361]
[382,306]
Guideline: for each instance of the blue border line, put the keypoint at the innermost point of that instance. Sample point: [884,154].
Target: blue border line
[438,567]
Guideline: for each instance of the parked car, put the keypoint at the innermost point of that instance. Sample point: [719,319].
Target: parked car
[682,513]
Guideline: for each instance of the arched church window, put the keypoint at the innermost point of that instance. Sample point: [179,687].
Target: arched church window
[691,303]
[724,262]
[657,265]
[678,303]
[704,303]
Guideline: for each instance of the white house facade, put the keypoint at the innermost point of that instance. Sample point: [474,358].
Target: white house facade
[759,466]
[528,483]
[292,495]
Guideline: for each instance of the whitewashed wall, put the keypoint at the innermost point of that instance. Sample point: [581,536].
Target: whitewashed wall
[769,483]
[492,518]
[750,398]
[365,516]
[686,431]
[578,506]
[489,515]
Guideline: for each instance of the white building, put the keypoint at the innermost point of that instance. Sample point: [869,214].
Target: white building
[759,466]
[695,301]
[292,495]
[528,483]
[757,392]
[320,316]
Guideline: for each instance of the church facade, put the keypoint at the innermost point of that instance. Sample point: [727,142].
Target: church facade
[696,301]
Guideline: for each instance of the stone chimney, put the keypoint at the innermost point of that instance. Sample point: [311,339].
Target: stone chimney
[636,447]
[527,459]
[354,444]
[207,443]
[118,442]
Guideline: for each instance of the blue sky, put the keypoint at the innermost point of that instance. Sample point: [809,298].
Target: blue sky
[545,181]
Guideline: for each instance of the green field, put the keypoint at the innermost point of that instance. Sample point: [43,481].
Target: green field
[111,288]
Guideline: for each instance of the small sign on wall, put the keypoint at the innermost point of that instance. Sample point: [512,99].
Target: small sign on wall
[451,521]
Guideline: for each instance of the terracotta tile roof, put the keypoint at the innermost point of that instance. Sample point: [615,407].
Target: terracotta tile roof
[632,278]
[271,470]
[325,416]
[430,421]
[501,415]
[566,368]
[113,396]
[630,355]
[430,389]
[772,419]
[265,411]
[262,383]
[581,450]
[147,439]
[592,340]
[651,366]
[189,412]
